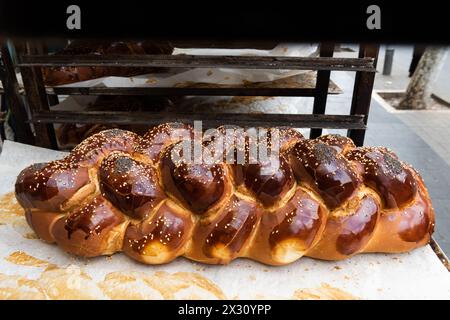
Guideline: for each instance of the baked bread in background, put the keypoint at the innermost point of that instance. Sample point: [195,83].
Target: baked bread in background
[54,76]
[69,135]
[327,199]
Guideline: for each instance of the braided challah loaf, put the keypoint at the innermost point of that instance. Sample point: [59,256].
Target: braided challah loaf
[327,199]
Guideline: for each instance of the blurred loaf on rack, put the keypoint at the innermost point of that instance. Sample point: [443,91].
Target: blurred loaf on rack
[54,76]
[70,134]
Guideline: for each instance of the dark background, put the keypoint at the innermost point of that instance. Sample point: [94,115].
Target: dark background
[343,20]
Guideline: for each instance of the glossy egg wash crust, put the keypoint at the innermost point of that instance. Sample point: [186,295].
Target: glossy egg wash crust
[328,199]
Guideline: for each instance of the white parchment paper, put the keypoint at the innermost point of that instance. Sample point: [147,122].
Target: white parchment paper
[225,76]
[30,268]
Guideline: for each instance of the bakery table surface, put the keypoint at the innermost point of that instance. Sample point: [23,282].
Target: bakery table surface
[32,269]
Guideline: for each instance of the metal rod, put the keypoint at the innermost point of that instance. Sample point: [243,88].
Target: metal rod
[179,91]
[201,61]
[209,119]
[36,95]
[362,94]
[322,83]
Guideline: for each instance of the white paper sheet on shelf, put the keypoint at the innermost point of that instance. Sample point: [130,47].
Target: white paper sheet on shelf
[30,268]
[206,75]
[226,76]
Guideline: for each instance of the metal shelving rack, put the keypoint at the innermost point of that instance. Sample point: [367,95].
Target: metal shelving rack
[32,57]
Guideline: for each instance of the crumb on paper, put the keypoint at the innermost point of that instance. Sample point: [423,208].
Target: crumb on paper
[31,236]
[24,259]
[73,282]
[10,209]
[324,292]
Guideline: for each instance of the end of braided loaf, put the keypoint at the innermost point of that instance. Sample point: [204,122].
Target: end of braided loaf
[327,199]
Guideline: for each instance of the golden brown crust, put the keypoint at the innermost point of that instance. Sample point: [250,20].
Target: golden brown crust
[406,229]
[93,149]
[130,185]
[346,235]
[340,143]
[42,222]
[48,186]
[160,238]
[267,184]
[89,230]
[326,199]
[325,171]
[197,186]
[288,233]
[220,238]
[161,136]
[382,171]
